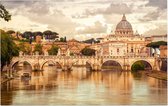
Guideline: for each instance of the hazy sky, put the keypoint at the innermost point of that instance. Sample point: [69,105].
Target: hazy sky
[83,19]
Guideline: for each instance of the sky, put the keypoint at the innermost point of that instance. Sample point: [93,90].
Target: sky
[83,19]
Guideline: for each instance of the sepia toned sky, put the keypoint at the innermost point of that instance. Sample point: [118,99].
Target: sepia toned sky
[83,19]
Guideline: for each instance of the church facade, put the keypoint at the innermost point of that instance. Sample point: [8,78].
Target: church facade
[124,42]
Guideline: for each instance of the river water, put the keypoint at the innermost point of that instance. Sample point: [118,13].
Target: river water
[55,87]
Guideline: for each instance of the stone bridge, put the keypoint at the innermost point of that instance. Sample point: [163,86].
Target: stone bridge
[94,62]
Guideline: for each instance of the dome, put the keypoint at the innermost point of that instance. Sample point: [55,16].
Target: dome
[124,24]
[124,28]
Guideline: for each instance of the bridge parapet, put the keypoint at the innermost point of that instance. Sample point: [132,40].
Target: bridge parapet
[75,57]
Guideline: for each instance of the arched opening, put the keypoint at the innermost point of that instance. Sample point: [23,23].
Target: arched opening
[21,67]
[52,64]
[142,65]
[21,64]
[15,65]
[111,65]
[81,70]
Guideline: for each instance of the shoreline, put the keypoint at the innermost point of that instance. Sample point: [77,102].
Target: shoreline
[6,80]
[161,75]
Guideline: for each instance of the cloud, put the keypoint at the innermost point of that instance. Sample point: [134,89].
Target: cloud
[117,9]
[43,13]
[162,4]
[56,21]
[161,29]
[151,16]
[111,9]
[96,28]
[65,16]
[12,4]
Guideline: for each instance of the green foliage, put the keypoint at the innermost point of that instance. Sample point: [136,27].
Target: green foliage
[137,66]
[91,41]
[53,50]
[27,34]
[156,44]
[63,39]
[10,32]
[50,35]
[4,14]
[38,48]
[24,48]
[47,32]
[38,33]
[88,52]
[71,54]
[8,49]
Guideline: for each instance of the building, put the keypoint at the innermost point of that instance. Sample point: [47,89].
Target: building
[38,39]
[124,42]
[156,38]
[75,46]
[163,51]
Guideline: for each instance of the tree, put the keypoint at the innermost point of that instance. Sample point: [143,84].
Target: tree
[27,34]
[53,50]
[88,52]
[38,33]
[61,39]
[92,40]
[10,32]
[25,48]
[50,35]
[137,66]
[4,14]
[47,34]
[155,45]
[8,49]
[65,39]
[38,48]
[54,35]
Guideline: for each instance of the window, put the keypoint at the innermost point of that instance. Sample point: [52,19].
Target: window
[132,50]
[118,50]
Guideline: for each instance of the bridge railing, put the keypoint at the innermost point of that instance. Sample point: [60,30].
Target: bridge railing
[74,57]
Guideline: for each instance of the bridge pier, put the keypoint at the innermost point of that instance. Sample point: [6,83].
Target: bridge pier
[126,67]
[156,64]
[96,67]
[66,68]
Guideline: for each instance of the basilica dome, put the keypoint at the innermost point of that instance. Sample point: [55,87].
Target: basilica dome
[124,27]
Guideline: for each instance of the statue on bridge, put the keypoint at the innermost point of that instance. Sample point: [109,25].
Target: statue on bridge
[59,52]
[68,52]
[20,53]
[45,53]
[36,53]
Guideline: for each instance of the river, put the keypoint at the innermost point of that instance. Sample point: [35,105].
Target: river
[55,87]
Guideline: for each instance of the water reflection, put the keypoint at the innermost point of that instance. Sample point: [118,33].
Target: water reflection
[80,86]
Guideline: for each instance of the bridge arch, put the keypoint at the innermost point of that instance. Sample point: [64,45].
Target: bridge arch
[42,65]
[14,63]
[146,63]
[112,64]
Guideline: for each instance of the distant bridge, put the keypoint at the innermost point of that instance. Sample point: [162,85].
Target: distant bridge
[95,62]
